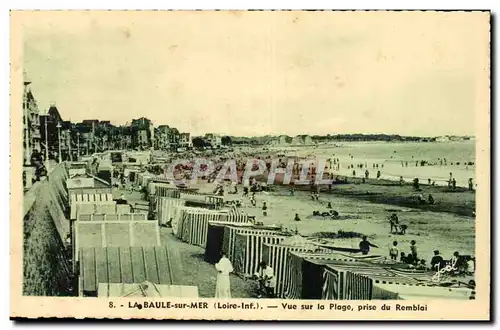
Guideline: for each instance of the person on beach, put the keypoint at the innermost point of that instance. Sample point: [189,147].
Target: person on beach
[413,249]
[430,199]
[471,184]
[429,181]
[402,257]
[354,173]
[454,184]
[401,181]
[245,191]
[267,281]
[437,261]
[394,221]
[365,245]
[253,201]
[393,251]
[296,217]
[264,209]
[367,174]
[454,260]
[329,206]
[223,285]
[378,175]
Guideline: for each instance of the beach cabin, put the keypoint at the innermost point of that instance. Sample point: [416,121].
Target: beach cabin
[105,271]
[113,233]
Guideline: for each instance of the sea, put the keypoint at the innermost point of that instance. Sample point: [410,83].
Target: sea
[455,159]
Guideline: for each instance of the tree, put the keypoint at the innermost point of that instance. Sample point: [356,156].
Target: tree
[226,140]
[198,142]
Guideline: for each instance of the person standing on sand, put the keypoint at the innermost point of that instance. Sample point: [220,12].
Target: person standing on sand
[394,221]
[393,251]
[296,217]
[365,245]
[471,184]
[223,286]
[264,209]
[413,249]
[378,175]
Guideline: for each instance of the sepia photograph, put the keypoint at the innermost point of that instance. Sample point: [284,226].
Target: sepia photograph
[283,164]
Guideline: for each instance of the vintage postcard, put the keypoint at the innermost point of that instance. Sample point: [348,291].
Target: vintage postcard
[250,165]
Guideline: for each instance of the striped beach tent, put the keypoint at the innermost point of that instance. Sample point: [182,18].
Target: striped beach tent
[234,214]
[240,228]
[304,274]
[167,208]
[165,190]
[215,239]
[193,224]
[366,281]
[276,256]
[248,250]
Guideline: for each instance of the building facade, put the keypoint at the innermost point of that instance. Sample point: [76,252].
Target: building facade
[31,122]
[185,140]
[214,140]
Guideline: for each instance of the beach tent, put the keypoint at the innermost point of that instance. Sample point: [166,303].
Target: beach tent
[113,217]
[166,190]
[248,250]
[122,265]
[276,255]
[80,208]
[230,232]
[146,289]
[234,214]
[304,275]
[91,204]
[100,234]
[167,208]
[215,239]
[192,225]
[379,282]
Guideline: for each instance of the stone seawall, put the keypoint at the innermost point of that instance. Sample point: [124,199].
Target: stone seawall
[46,260]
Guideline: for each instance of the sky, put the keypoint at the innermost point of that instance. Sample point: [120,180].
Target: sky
[259,73]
